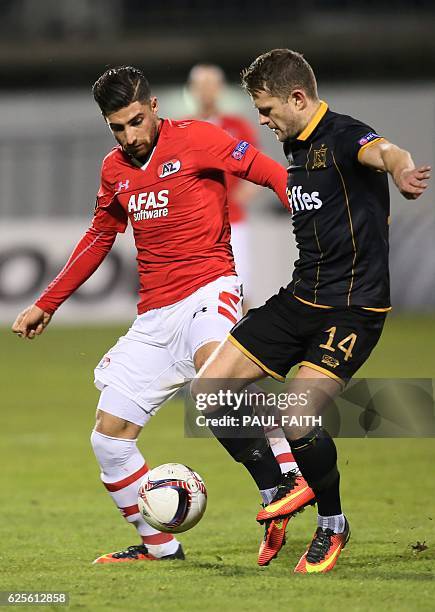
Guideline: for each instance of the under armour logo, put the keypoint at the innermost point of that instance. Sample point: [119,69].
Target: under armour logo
[124,185]
[203,309]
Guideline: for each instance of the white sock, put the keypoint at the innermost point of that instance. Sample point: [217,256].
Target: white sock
[122,470]
[335,522]
[268,494]
[161,550]
[282,451]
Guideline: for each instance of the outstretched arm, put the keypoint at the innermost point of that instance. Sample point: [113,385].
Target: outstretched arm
[84,260]
[385,156]
[217,150]
[269,173]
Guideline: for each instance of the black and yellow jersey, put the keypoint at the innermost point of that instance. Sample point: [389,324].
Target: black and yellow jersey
[340,212]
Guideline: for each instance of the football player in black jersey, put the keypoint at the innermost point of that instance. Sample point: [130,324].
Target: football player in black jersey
[330,317]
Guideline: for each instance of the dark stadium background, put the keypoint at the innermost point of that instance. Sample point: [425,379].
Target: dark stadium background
[61,43]
[373,59]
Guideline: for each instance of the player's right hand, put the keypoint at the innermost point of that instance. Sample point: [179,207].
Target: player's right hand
[412,182]
[31,322]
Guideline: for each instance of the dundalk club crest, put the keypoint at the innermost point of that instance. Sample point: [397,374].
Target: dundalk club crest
[319,157]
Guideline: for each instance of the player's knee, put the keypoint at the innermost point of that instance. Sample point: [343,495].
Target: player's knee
[244,443]
[298,433]
[104,449]
[112,451]
[109,424]
[312,438]
[248,449]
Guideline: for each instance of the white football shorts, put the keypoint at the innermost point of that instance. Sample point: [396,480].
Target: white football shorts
[155,358]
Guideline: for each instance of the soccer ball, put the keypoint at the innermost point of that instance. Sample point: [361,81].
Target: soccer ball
[172,498]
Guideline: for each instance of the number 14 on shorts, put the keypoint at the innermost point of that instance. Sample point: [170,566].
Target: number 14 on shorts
[346,345]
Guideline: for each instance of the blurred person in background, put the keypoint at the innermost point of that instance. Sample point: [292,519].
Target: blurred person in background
[206,84]
[165,178]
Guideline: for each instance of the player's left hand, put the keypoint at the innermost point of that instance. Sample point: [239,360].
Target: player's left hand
[412,183]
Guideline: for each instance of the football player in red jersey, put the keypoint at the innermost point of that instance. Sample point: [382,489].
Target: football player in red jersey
[165,178]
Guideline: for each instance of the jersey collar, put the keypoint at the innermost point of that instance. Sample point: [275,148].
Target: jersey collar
[309,129]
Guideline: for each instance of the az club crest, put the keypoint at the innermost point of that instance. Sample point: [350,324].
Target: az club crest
[170,167]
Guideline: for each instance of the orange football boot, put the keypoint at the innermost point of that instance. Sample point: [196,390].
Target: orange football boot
[323,552]
[292,496]
[273,541]
[137,553]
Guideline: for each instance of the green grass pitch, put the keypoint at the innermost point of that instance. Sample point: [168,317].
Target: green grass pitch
[56,516]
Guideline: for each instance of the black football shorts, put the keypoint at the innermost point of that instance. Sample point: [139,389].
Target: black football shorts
[285,332]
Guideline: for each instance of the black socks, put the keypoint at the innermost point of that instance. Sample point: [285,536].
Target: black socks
[316,456]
